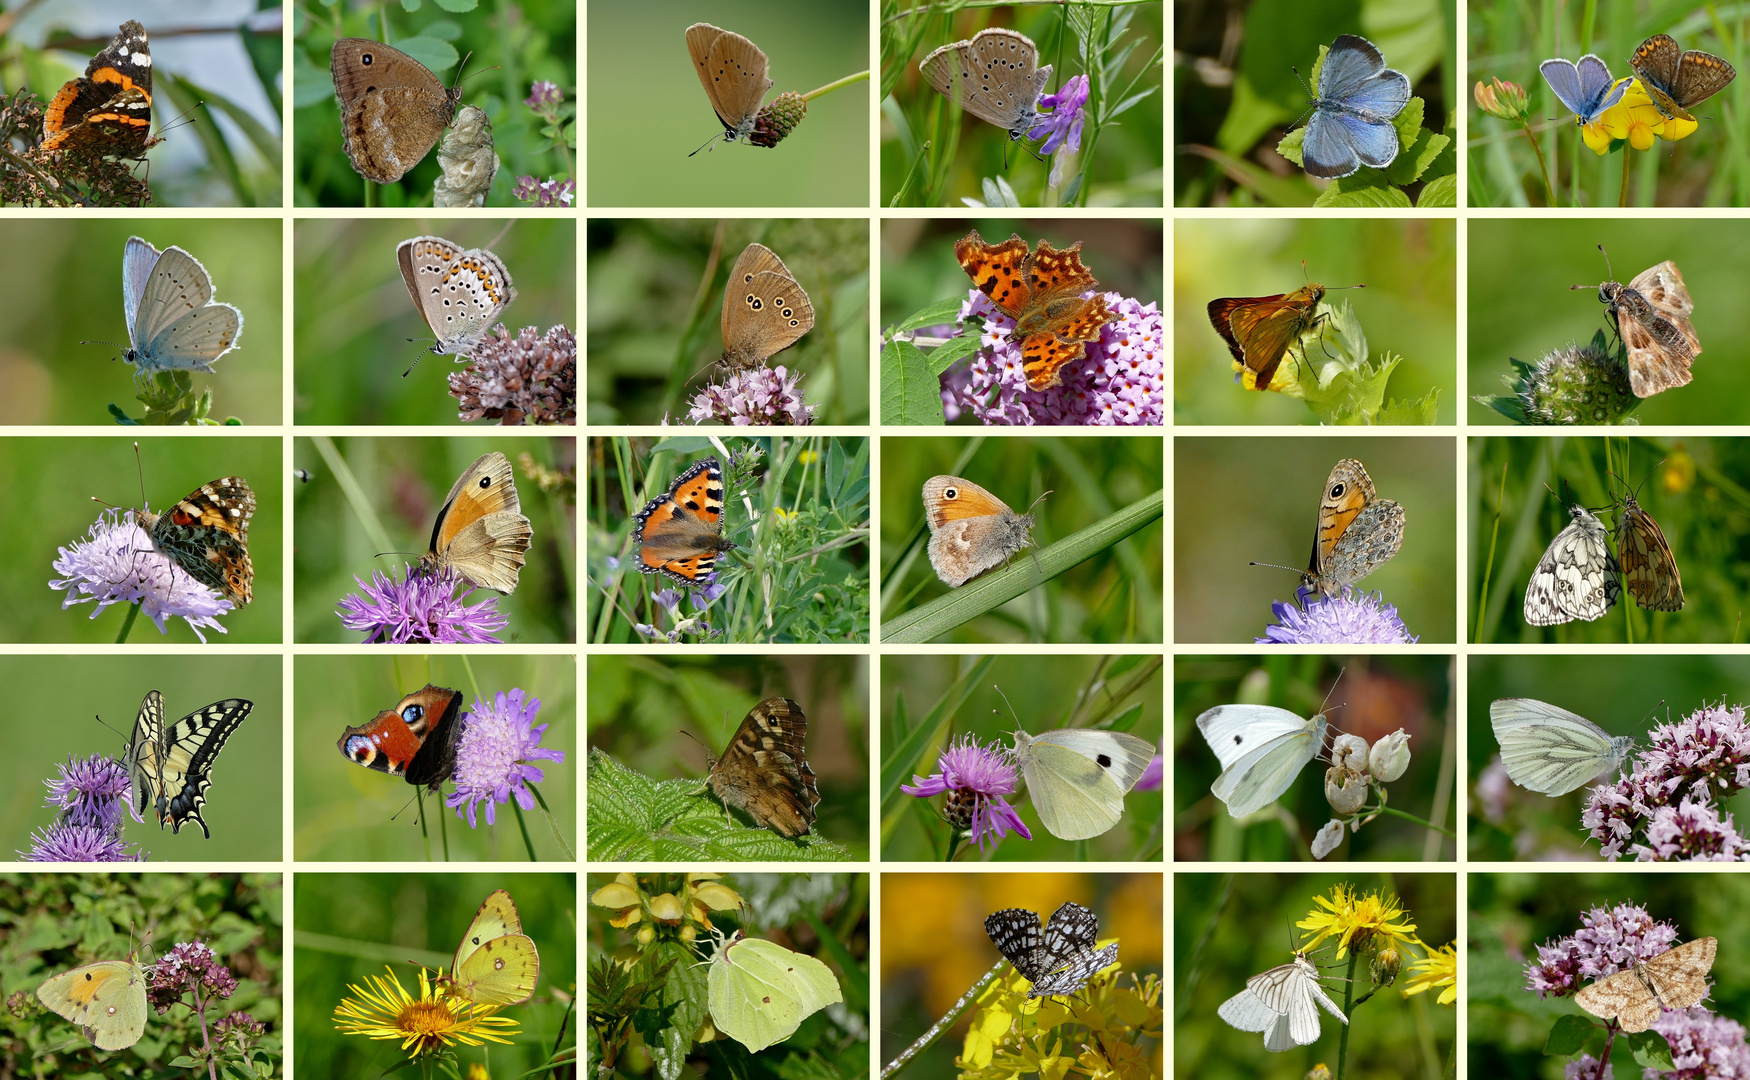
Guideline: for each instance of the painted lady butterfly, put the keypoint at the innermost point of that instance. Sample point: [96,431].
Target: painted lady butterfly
[207,533]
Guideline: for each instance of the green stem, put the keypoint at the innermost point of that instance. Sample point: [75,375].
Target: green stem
[523,828]
[1489,567]
[1622,196]
[1394,812]
[861,76]
[128,623]
[1348,994]
[904,187]
[1542,164]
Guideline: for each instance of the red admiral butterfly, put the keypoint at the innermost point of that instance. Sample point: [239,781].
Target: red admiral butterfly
[108,110]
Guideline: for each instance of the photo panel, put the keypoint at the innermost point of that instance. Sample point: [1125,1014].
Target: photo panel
[745,757]
[958,753]
[383,556]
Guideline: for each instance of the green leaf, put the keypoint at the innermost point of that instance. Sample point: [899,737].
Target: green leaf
[1363,190]
[1442,191]
[1568,1035]
[937,314]
[945,356]
[910,393]
[1425,411]
[1651,1050]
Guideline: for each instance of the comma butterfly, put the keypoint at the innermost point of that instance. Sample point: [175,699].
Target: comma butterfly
[1042,291]
[680,532]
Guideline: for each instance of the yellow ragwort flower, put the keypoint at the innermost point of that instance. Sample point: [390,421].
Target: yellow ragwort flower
[425,1025]
[1356,920]
[1438,968]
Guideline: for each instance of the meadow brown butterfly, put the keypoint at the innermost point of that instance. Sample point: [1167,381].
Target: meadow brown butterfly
[971,530]
[392,108]
[1657,334]
[481,532]
[1261,330]
[764,310]
[1357,532]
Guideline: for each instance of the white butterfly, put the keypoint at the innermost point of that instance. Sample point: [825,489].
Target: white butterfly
[1675,979]
[1279,1003]
[1576,578]
[1262,749]
[1551,751]
[1077,777]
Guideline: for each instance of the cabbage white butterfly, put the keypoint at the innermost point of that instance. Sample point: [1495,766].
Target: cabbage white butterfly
[1077,777]
[1279,1003]
[1261,748]
[760,992]
[1550,750]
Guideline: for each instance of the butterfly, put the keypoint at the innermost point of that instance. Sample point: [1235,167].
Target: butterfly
[107,112]
[481,532]
[1059,961]
[1576,578]
[1279,1003]
[1078,777]
[1352,113]
[1675,79]
[764,770]
[1674,979]
[1551,751]
[760,992]
[173,763]
[764,310]
[680,532]
[1042,291]
[732,70]
[173,323]
[495,963]
[971,530]
[1648,567]
[1356,533]
[1261,330]
[1586,87]
[1657,334]
[207,534]
[106,999]
[1261,749]
[995,77]
[415,740]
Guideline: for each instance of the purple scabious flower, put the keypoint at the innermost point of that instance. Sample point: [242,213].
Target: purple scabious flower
[976,779]
[1349,618]
[421,609]
[759,396]
[1611,940]
[1703,1045]
[92,792]
[1064,124]
[1667,800]
[545,193]
[116,563]
[189,966]
[1119,380]
[64,841]
[544,94]
[496,742]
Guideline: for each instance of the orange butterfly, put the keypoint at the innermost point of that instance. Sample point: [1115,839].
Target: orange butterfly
[1042,291]
[1260,330]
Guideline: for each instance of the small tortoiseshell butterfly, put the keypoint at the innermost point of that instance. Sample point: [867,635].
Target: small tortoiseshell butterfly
[681,531]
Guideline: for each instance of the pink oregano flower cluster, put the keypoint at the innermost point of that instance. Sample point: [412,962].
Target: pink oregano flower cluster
[1666,809]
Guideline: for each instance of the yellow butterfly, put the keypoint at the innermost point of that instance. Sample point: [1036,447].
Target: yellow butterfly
[496,963]
[106,999]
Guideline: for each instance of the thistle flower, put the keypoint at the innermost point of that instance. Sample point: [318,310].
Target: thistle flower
[422,609]
[977,780]
[117,563]
[495,743]
[1349,618]
[66,842]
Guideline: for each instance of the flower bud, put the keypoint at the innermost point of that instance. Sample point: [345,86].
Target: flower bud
[1502,100]
[1327,839]
[1389,757]
[778,119]
[1385,965]
[1345,790]
[1349,752]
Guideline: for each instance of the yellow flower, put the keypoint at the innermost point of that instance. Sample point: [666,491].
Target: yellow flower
[426,1024]
[1356,920]
[1438,968]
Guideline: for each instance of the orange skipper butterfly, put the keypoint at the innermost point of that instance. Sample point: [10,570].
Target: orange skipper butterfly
[1261,330]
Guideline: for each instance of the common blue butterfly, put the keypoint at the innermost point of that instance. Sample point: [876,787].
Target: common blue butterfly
[1586,88]
[172,322]
[1351,124]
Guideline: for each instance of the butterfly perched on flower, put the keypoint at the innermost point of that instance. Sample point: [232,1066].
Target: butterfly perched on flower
[207,534]
[680,532]
[1357,532]
[1651,316]
[1042,291]
[1261,330]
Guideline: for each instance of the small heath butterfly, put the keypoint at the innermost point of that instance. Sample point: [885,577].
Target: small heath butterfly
[971,530]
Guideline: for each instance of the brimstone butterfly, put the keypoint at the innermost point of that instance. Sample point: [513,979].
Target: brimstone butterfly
[761,992]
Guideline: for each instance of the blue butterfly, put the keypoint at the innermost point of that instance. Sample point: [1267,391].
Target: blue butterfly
[173,323]
[1586,88]
[1351,125]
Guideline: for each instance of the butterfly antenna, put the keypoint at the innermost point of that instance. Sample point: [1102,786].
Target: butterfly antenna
[1037,501]
[432,348]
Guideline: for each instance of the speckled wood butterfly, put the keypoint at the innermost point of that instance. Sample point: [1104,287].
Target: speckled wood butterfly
[764,772]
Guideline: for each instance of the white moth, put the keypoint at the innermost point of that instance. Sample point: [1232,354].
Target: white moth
[1279,1003]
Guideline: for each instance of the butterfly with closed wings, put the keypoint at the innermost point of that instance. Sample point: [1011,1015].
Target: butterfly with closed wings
[1261,749]
[1549,750]
[495,963]
[760,992]
[1357,532]
[1576,578]
[173,763]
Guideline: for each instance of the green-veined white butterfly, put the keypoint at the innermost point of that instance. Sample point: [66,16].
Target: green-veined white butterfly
[1077,777]
[761,992]
[1550,750]
[1262,749]
[1279,1003]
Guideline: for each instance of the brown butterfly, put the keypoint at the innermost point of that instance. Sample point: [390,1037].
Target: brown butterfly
[1648,567]
[481,532]
[764,309]
[1357,532]
[1261,330]
[1634,998]
[1660,341]
[764,772]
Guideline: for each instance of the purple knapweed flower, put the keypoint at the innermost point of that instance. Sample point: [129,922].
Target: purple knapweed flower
[758,396]
[976,779]
[1119,380]
[64,841]
[496,742]
[544,94]
[1349,618]
[116,563]
[1063,125]
[91,792]
[545,193]
[421,609]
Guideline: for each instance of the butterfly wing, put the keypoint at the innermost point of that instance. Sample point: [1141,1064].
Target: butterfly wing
[1700,76]
[1649,569]
[1576,578]
[177,285]
[764,771]
[480,532]
[1548,749]
[194,341]
[143,753]
[1077,777]
[1260,330]
[765,311]
[138,258]
[1371,539]
[760,992]
[732,70]
[1265,750]
[1017,935]
[1679,975]
[999,271]
[495,963]
[415,740]
[187,752]
[106,999]
[680,532]
[995,76]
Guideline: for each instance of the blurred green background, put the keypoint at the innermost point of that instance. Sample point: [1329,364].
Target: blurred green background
[1621,693]
[1512,914]
[1368,696]
[933,944]
[656,305]
[1698,490]
[1508,39]
[1114,597]
[1049,692]
[1229,927]
[1237,94]
[403,483]
[1242,500]
[342,811]
[56,478]
[353,314]
[1521,305]
[1409,307]
[637,705]
[349,927]
[243,804]
[647,111]
[511,49]
[1127,168]
[63,283]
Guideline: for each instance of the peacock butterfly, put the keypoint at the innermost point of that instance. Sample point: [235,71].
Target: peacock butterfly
[415,740]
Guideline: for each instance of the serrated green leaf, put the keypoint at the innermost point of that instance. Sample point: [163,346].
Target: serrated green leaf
[1442,191]
[1366,193]
[910,392]
[1424,411]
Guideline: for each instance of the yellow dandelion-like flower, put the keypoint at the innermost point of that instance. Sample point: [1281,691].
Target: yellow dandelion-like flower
[425,1024]
[1356,920]
[1438,968]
